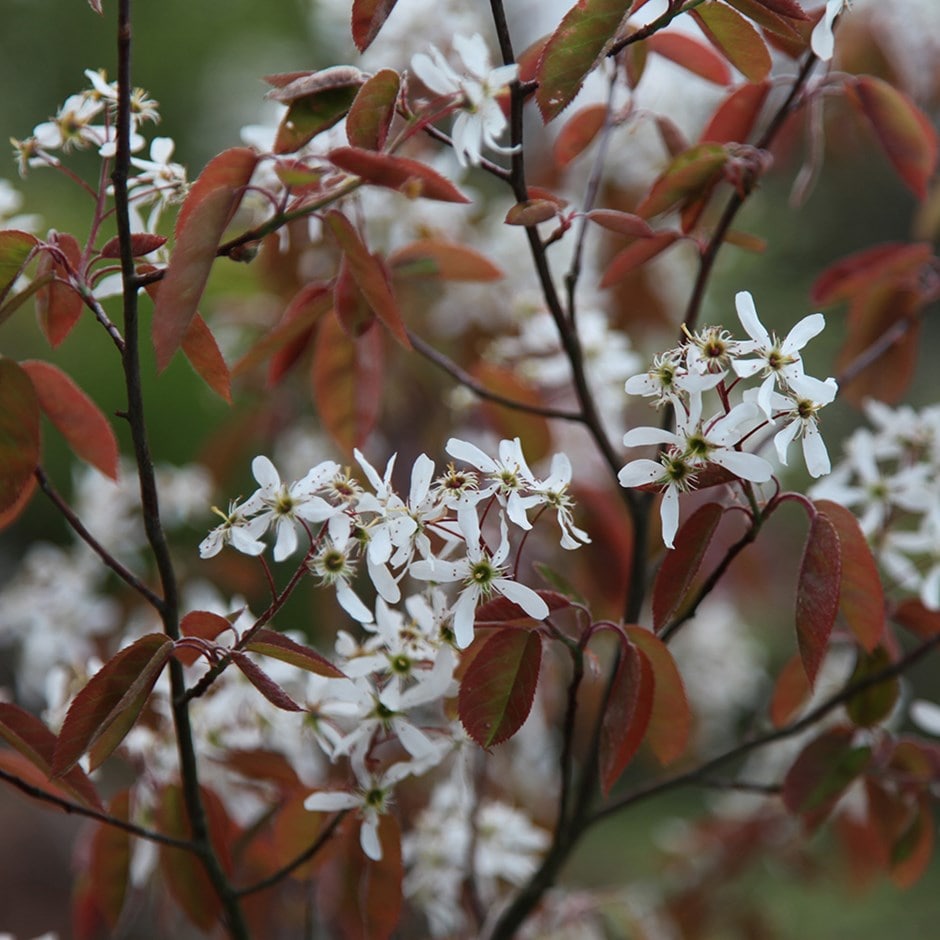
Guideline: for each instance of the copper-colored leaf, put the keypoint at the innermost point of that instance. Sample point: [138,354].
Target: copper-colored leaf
[918,619]
[78,419]
[450,261]
[578,133]
[273,692]
[905,133]
[142,243]
[855,273]
[347,382]
[109,864]
[735,117]
[735,38]
[692,55]
[409,177]
[680,566]
[531,212]
[371,113]
[350,306]
[58,304]
[912,852]
[19,432]
[874,704]
[670,724]
[636,255]
[367,19]
[370,275]
[106,708]
[628,713]
[623,223]
[278,646]
[202,351]
[498,688]
[501,610]
[791,692]
[206,212]
[817,593]
[779,25]
[574,49]
[688,175]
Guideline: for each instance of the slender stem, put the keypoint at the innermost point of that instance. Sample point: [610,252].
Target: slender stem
[128,577]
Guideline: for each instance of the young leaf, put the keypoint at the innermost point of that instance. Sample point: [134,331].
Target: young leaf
[623,223]
[500,610]
[573,50]
[791,692]
[450,261]
[9,515]
[58,304]
[689,175]
[409,177]
[104,710]
[861,596]
[636,255]
[735,117]
[370,275]
[735,38]
[855,273]
[202,351]
[207,210]
[350,306]
[15,250]
[278,646]
[874,704]
[680,566]
[692,55]
[30,737]
[367,19]
[202,624]
[78,419]
[498,688]
[109,861]
[371,113]
[19,432]
[670,724]
[142,243]
[578,134]
[912,852]
[628,714]
[347,382]
[531,212]
[264,683]
[770,16]
[918,619]
[817,593]
[906,135]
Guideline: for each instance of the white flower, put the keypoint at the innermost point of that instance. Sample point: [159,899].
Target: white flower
[481,121]
[801,416]
[669,381]
[236,530]
[822,40]
[553,491]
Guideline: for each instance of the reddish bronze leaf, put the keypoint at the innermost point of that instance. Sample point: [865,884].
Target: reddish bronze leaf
[208,209]
[500,610]
[791,692]
[19,433]
[680,566]
[106,708]
[78,419]
[918,619]
[817,593]
[498,688]
[735,117]
[347,382]
[912,852]
[623,223]
[578,133]
[777,24]
[202,351]
[409,177]
[110,861]
[689,175]
[670,723]
[273,692]
[142,243]
[367,19]
[531,212]
[58,304]
[573,50]
[450,261]
[371,113]
[278,646]
[627,718]
[855,273]
[735,38]
[16,248]
[636,255]
[692,55]
[350,306]
[874,704]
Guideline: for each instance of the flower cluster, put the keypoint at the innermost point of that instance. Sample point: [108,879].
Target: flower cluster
[713,360]
[889,476]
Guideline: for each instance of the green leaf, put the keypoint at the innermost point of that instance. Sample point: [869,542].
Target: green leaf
[628,713]
[498,688]
[278,646]
[207,210]
[574,49]
[817,593]
[105,709]
[19,432]
[735,38]
[372,111]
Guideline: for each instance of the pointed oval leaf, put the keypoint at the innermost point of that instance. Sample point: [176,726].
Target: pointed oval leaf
[681,565]
[636,255]
[77,418]
[202,624]
[371,113]
[109,862]
[312,115]
[347,382]
[913,851]
[409,177]
[775,22]
[670,725]
[202,351]
[578,133]
[573,50]
[273,692]
[370,275]
[892,261]
[918,619]
[19,432]
[735,38]
[817,593]
[627,718]
[15,249]
[9,515]
[142,243]
[692,55]
[367,19]
[207,210]
[531,212]
[791,692]
[350,306]
[278,646]
[450,261]
[906,135]
[861,596]
[689,175]
[498,688]
[113,697]
[623,223]
[58,304]
[735,117]
[873,705]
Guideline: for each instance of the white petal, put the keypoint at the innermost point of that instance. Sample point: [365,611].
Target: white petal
[640,472]
[350,602]
[524,596]
[369,837]
[265,472]
[814,452]
[744,465]
[669,514]
[747,314]
[464,611]
[783,439]
[470,453]
[637,437]
[803,332]
[328,801]
[926,715]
